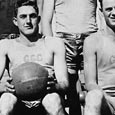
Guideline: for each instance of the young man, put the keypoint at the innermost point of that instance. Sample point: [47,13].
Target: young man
[74,20]
[99,65]
[27,48]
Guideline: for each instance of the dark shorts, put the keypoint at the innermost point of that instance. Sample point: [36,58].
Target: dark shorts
[108,108]
[21,108]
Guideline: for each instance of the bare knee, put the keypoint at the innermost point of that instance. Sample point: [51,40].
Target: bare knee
[94,98]
[7,102]
[52,103]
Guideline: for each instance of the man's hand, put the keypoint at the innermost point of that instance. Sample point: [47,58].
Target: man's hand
[51,84]
[5,85]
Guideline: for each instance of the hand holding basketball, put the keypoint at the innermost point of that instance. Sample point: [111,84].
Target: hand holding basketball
[30,80]
[5,85]
[51,84]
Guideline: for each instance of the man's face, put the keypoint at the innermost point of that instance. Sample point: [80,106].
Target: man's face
[109,12]
[27,20]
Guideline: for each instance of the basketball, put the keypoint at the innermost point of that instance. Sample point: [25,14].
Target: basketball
[30,81]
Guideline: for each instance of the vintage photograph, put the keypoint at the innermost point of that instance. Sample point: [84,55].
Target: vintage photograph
[57,57]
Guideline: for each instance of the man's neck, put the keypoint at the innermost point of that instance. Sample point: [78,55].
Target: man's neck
[110,31]
[29,40]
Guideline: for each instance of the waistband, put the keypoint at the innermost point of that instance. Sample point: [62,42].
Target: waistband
[72,35]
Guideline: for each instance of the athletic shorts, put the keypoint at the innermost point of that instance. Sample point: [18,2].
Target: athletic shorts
[74,49]
[29,107]
[110,102]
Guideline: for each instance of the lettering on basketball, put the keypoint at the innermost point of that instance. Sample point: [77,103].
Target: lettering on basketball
[33,58]
[112,59]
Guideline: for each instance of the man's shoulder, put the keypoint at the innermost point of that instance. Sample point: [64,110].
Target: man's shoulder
[94,38]
[92,42]
[54,40]
[6,43]
[54,43]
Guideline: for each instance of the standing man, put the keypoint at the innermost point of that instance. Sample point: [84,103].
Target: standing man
[99,65]
[74,21]
[32,47]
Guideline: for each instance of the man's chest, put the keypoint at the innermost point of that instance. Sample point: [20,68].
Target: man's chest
[22,54]
[106,54]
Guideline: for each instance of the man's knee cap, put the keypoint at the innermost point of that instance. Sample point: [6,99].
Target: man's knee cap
[97,94]
[8,97]
[7,102]
[51,99]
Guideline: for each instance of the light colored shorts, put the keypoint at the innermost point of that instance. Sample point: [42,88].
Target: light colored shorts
[74,49]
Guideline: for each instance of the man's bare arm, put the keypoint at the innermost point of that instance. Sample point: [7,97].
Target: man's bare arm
[90,63]
[60,65]
[2,57]
[5,85]
[40,5]
[47,16]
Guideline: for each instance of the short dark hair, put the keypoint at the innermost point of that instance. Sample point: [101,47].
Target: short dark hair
[20,3]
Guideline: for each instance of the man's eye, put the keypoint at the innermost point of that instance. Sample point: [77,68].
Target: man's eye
[33,15]
[23,16]
[108,9]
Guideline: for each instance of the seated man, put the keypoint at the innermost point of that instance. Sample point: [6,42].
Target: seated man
[99,65]
[21,50]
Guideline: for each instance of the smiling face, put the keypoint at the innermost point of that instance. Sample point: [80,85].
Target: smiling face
[26,20]
[109,12]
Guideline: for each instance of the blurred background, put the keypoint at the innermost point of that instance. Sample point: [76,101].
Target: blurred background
[6,12]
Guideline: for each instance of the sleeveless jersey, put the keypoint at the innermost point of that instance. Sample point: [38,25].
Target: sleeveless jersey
[75,16]
[19,53]
[106,65]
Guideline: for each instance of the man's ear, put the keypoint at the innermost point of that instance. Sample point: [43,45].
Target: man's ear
[15,21]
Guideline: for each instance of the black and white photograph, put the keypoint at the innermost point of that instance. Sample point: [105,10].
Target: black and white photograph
[57,57]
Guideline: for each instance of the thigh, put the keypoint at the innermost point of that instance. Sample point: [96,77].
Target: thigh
[7,100]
